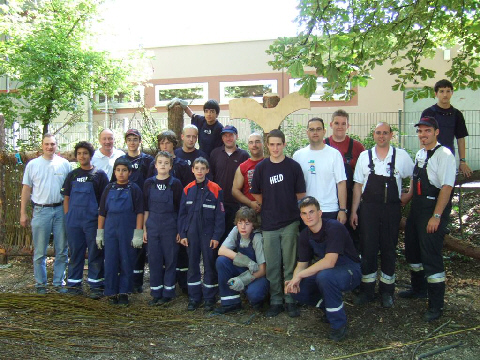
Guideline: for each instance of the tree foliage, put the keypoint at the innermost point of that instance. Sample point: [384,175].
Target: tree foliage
[343,40]
[49,63]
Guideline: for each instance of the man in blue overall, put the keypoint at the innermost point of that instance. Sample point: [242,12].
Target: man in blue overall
[431,189]
[140,165]
[201,223]
[328,265]
[82,190]
[378,184]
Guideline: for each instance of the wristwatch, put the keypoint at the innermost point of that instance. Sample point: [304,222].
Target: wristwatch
[344,210]
[437,216]
[463,160]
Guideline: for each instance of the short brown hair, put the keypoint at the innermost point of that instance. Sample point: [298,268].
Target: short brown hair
[276,133]
[246,213]
[341,113]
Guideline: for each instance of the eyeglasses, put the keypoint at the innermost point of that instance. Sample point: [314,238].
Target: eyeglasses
[382,132]
[312,130]
[209,111]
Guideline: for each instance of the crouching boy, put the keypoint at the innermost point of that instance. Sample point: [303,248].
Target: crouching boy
[201,223]
[241,264]
[120,230]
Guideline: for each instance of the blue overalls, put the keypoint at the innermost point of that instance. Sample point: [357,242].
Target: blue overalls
[324,289]
[161,235]
[256,291]
[200,224]
[81,223]
[119,253]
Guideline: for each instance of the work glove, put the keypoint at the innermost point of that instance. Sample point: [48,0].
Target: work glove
[174,101]
[238,283]
[137,240]
[100,236]
[242,260]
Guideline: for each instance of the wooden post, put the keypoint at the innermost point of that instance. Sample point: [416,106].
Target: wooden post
[175,121]
[270,100]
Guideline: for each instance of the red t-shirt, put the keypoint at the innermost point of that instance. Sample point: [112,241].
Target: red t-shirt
[247,168]
[343,148]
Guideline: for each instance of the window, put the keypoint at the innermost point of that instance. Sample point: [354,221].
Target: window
[194,93]
[240,89]
[317,96]
[122,100]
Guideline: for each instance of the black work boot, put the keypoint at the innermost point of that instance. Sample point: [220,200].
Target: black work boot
[367,293]
[419,286]
[436,295]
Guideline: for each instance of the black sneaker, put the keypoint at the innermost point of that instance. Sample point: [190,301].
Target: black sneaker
[411,294]
[338,334]
[274,310]
[293,310]
[224,309]
[387,300]
[155,301]
[363,299]
[193,305]
[41,290]
[75,291]
[123,299]
[137,289]
[209,305]
[96,294]
[432,314]
[164,300]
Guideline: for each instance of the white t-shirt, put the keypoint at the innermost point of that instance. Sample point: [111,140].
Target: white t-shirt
[46,178]
[106,163]
[403,167]
[323,170]
[441,167]
[257,244]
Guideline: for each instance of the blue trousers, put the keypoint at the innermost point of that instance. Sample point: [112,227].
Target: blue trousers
[325,288]
[256,291]
[200,245]
[162,260]
[79,239]
[46,220]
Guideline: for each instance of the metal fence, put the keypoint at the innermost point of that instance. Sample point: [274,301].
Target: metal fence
[360,124]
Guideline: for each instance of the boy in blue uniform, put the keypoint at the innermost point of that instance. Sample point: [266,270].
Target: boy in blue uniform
[120,230]
[82,190]
[140,165]
[209,128]
[162,196]
[201,223]
[241,264]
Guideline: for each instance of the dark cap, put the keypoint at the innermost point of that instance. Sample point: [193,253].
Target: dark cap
[428,121]
[230,129]
[133,132]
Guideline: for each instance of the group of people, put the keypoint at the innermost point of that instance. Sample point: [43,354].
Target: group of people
[241,215]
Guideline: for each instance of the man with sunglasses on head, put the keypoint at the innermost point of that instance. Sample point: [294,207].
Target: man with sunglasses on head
[376,210]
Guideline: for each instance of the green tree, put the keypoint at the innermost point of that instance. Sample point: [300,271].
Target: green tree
[49,63]
[343,40]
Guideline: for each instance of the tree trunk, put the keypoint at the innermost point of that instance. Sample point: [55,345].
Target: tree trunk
[270,100]
[175,121]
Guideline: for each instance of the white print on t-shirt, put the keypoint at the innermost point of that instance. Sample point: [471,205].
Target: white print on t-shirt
[82,179]
[135,166]
[276,179]
[207,131]
[250,176]
[311,164]
[161,187]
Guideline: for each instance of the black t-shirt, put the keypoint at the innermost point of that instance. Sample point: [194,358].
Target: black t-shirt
[278,183]
[141,164]
[334,237]
[454,127]
[209,136]
[161,185]
[190,157]
[136,193]
[97,176]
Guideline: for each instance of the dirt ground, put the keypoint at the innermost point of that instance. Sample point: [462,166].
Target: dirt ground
[75,327]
